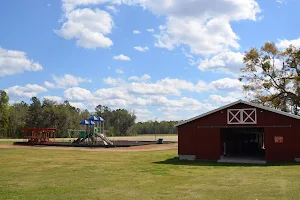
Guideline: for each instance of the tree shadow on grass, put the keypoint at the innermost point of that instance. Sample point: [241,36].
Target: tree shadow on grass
[176,161]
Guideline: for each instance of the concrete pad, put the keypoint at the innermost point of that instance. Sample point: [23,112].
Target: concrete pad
[242,160]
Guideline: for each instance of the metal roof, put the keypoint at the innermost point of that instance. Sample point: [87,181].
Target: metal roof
[237,102]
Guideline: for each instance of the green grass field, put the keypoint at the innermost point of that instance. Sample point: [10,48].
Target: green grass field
[67,174]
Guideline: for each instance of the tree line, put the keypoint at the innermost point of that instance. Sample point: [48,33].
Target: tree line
[64,116]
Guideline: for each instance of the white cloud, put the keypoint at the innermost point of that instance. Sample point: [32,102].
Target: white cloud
[161,27]
[142,115]
[88,27]
[111,8]
[221,100]
[141,49]
[49,85]
[225,62]
[119,71]
[286,43]
[201,25]
[65,81]
[152,89]
[165,96]
[112,93]
[29,90]
[281,1]
[78,94]
[113,81]
[13,62]
[226,84]
[209,38]
[136,32]
[122,57]
[178,109]
[150,30]
[54,98]
[79,105]
[143,78]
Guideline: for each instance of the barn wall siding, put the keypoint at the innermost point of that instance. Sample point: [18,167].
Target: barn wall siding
[186,140]
[286,151]
[205,142]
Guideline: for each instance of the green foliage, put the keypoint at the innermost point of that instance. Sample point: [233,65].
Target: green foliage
[62,116]
[4,114]
[272,77]
[152,127]
[116,121]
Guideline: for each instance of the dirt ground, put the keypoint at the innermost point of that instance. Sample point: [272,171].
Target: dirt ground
[151,147]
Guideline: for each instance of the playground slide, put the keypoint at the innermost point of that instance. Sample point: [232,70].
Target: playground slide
[104,138]
[79,140]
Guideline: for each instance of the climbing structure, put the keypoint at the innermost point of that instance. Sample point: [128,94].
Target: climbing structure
[39,135]
[94,132]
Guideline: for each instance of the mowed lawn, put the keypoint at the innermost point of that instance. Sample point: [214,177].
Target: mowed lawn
[75,174]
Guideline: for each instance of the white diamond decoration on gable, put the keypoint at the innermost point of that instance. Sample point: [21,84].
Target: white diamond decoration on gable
[241,116]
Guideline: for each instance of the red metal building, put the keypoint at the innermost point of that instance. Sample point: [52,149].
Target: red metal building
[240,129]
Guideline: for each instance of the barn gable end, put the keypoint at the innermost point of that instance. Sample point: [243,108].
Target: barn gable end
[202,136]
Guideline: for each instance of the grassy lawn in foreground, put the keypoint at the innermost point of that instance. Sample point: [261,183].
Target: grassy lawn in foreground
[67,174]
[6,142]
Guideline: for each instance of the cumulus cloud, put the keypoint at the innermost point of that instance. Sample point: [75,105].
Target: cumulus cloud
[77,93]
[150,30]
[201,25]
[29,90]
[122,57]
[54,98]
[79,105]
[88,27]
[141,49]
[136,32]
[164,95]
[49,85]
[13,62]
[286,43]
[112,9]
[113,81]
[221,100]
[119,71]
[226,84]
[225,62]
[65,81]
[281,1]
[143,115]
[143,78]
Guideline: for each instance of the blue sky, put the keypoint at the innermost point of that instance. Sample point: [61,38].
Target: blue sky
[165,59]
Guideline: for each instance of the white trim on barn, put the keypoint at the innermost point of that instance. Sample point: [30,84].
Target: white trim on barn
[237,102]
[240,116]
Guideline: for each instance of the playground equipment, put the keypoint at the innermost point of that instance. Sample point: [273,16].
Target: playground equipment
[39,135]
[94,132]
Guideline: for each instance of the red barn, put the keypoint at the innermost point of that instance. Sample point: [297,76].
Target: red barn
[240,130]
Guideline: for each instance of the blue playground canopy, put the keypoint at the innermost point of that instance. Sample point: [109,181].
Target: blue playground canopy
[91,122]
[101,119]
[93,118]
[84,122]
